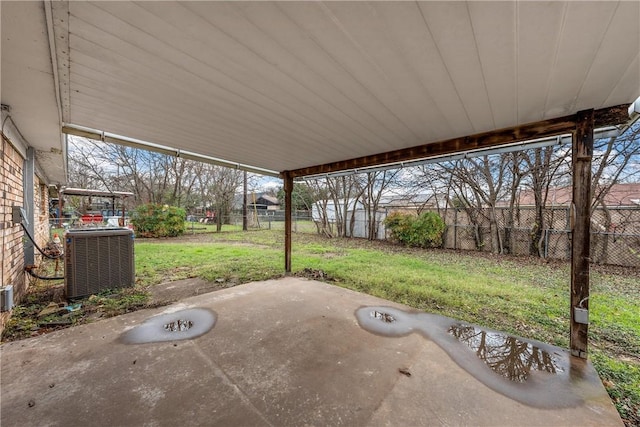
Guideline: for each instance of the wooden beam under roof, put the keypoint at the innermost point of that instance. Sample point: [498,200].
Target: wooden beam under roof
[609,116]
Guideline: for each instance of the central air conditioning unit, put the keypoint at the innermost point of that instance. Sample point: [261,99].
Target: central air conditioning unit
[98,259]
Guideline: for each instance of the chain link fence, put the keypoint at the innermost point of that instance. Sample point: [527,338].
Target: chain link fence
[262,220]
[615,233]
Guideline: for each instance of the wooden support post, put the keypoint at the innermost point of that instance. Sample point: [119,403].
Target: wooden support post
[288,189]
[580,236]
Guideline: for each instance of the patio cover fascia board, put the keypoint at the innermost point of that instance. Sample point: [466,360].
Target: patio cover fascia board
[95,193]
[111,138]
[609,116]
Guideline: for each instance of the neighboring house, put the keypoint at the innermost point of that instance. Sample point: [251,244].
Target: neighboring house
[258,201]
[264,202]
[415,203]
[620,195]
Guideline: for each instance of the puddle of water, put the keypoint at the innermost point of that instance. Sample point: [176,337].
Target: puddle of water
[530,372]
[508,356]
[180,325]
[398,322]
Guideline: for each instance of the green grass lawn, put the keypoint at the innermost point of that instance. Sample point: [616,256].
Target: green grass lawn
[523,296]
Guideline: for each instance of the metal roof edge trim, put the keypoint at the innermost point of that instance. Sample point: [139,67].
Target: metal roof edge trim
[98,135]
[70,191]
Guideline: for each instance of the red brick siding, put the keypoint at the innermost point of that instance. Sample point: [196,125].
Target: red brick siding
[12,235]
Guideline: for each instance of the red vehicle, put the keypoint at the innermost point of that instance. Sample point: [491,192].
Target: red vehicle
[92,218]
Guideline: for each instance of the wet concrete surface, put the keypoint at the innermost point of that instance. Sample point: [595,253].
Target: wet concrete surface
[180,325]
[527,371]
[287,352]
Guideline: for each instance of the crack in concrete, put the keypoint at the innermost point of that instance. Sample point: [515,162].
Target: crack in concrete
[225,378]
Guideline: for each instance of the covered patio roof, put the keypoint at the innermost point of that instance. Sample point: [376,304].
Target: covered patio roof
[284,86]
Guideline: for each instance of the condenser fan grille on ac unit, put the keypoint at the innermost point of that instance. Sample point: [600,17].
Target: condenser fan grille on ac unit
[98,259]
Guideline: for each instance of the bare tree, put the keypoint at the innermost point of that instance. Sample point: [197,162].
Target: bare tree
[545,166]
[218,186]
[119,168]
[615,160]
[345,192]
[430,184]
[375,185]
[517,172]
[320,209]
[87,165]
[478,184]
[183,176]
[152,177]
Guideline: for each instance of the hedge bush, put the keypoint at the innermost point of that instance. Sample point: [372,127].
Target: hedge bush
[424,231]
[152,220]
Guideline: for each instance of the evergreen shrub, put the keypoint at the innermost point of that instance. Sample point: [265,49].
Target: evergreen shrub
[152,220]
[424,231]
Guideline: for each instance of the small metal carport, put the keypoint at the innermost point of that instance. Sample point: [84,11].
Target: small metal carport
[84,192]
[301,88]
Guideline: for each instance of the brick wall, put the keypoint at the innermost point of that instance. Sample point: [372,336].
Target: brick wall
[11,193]
[12,235]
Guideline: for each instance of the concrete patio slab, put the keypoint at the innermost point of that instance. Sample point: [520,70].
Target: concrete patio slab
[283,352]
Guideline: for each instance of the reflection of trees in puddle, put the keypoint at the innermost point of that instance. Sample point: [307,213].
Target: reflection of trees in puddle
[508,356]
[382,316]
